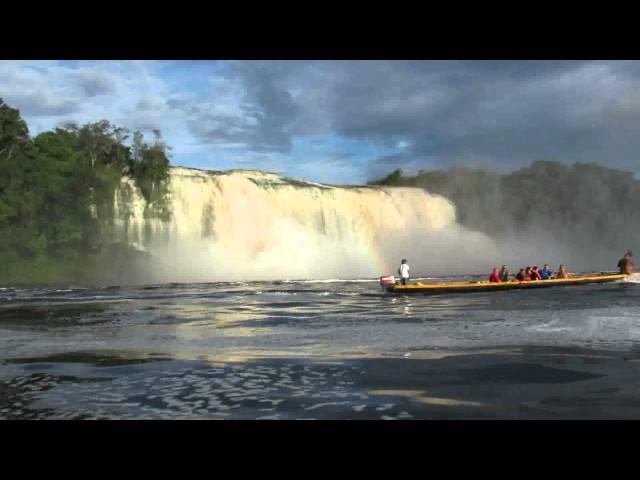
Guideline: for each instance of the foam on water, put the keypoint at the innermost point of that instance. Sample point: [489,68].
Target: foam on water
[633,278]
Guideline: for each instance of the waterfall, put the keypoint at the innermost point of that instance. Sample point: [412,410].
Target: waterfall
[251,225]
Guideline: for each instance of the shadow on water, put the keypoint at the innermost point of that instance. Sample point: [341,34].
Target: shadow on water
[103,359]
[518,383]
[53,315]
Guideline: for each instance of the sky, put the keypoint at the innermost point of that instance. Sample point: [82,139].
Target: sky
[346,122]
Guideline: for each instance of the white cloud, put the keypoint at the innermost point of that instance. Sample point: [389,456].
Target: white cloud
[500,113]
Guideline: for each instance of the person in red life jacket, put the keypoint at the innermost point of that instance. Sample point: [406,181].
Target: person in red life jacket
[535,274]
[520,275]
[527,274]
[495,276]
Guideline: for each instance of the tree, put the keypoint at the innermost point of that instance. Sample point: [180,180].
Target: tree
[13,130]
[57,192]
[393,179]
[580,205]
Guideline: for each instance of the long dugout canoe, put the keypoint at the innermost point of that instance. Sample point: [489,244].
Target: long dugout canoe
[485,286]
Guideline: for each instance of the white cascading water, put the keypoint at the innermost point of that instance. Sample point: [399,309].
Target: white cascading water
[250,225]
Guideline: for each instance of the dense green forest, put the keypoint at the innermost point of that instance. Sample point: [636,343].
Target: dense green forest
[57,195]
[581,205]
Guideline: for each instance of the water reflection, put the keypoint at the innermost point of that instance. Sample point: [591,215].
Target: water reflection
[320,350]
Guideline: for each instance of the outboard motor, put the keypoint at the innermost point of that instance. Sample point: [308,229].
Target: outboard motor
[386,282]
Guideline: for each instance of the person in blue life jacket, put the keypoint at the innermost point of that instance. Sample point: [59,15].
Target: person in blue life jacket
[403,271]
[545,273]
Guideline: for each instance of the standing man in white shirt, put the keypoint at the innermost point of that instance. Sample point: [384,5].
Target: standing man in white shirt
[403,271]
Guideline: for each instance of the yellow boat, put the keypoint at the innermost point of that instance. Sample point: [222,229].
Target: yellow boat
[485,286]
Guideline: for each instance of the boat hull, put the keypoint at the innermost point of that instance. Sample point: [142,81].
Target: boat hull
[466,287]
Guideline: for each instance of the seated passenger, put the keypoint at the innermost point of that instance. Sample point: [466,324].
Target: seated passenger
[527,274]
[520,275]
[626,264]
[562,272]
[545,273]
[535,274]
[494,277]
[504,274]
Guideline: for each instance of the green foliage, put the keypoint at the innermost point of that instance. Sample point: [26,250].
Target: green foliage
[474,191]
[57,193]
[150,170]
[394,179]
[13,130]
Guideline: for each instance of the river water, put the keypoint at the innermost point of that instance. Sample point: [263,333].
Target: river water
[331,349]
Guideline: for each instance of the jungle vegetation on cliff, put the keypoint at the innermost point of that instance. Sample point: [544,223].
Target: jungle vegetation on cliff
[581,205]
[57,195]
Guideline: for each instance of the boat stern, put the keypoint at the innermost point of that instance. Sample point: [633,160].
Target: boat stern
[387,283]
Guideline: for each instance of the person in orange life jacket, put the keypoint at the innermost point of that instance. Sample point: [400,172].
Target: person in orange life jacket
[527,274]
[494,277]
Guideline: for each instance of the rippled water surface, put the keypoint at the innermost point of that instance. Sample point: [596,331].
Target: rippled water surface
[314,350]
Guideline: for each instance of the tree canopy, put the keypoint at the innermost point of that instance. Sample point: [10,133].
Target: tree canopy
[583,202]
[57,191]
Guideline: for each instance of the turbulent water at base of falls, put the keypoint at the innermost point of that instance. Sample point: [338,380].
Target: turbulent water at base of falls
[250,225]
